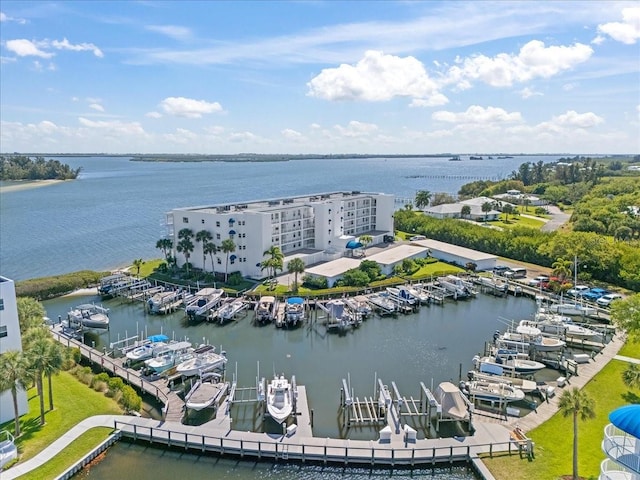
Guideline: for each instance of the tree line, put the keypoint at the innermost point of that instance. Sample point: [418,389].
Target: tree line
[20,167]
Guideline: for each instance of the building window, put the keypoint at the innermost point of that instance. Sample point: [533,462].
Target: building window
[3,331]
[219,261]
[202,221]
[217,224]
[1,304]
[185,219]
[217,236]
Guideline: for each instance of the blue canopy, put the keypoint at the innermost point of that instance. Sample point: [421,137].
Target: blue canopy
[353,244]
[295,300]
[627,419]
[232,232]
[158,338]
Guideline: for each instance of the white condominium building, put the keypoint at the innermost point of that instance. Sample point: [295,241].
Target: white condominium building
[313,227]
[10,339]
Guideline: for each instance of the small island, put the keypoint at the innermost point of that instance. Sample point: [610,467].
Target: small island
[20,167]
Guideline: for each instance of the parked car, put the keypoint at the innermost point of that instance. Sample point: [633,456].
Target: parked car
[538,281]
[578,290]
[500,270]
[605,300]
[594,294]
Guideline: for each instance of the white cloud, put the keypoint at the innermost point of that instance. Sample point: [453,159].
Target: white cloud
[243,137]
[434,100]
[26,48]
[356,129]
[598,40]
[476,114]
[528,93]
[214,130]
[97,107]
[376,77]
[627,31]
[291,134]
[173,31]
[574,119]
[6,18]
[113,127]
[567,87]
[78,47]
[534,60]
[188,107]
[153,115]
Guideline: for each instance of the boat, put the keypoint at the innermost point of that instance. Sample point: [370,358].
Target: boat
[382,303]
[147,349]
[492,391]
[493,283]
[560,325]
[402,295]
[266,309]
[454,404]
[229,310]
[573,309]
[206,392]
[293,311]
[418,293]
[339,317]
[169,356]
[359,305]
[526,337]
[279,399]
[455,158]
[475,157]
[508,362]
[203,301]
[527,386]
[109,284]
[161,302]
[201,362]
[454,286]
[89,315]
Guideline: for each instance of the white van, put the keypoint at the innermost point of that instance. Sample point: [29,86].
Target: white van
[517,272]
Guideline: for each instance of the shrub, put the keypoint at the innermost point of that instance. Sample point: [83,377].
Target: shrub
[99,385]
[314,283]
[130,400]
[100,377]
[115,384]
[235,278]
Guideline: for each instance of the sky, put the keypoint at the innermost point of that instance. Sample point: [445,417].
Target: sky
[381,77]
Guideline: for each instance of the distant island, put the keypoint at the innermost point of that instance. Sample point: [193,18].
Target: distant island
[266,157]
[21,167]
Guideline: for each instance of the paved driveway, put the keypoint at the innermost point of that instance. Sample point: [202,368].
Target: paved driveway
[558,218]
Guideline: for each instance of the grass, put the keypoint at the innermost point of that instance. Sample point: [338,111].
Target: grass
[517,221]
[554,439]
[73,402]
[70,455]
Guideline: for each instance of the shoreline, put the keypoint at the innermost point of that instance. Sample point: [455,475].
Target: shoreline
[18,185]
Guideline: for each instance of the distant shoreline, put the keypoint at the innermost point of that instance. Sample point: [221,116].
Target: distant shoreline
[17,185]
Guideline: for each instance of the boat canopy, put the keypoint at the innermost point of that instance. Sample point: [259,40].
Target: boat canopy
[627,419]
[353,244]
[295,300]
[158,338]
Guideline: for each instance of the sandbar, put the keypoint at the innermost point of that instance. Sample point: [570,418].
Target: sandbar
[15,186]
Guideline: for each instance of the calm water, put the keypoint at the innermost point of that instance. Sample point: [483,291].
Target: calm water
[114,212]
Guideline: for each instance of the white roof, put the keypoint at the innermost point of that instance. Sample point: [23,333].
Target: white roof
[397,254]
[455,250]
[334,267]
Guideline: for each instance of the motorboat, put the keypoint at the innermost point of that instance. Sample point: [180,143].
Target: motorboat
[528,336]
[382,303]
[560,325]
[266,309]
[509,361]
[202,302]
[573,309]
[339,317]
[492,391]
[229,310]
[147,349]
[89,315]
[279,399]
[523,384]
[206,392]
[161,302]
[402,295]
[454,404]
[359,305]
[201,362]
[294,311]
[169,356]
[420,295]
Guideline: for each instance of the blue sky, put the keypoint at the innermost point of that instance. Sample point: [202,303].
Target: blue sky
[320,77]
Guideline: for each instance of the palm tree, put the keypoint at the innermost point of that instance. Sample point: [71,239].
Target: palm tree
[38,362]
[228,246]
[576,403]
[54,361]
[30,313]
[275,261]
[465,211]
[423,197]
[14,374]
[165,244]
[137,264]
[507,208]
[631,376]
[204,237]
[365,240]
[185,245]
[486,208]
[561,269]
[295,266]
[211,249]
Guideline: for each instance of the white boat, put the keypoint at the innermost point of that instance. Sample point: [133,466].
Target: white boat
[573,309]
[147,349]
[493,283]
[206,392]
[510,362]
[202,302]
[169,356]
[339,317]
[200,363]
[89,315]
[454,404]
[492,391]
[229,310]
[453,285]
[556,324]
[402,295]
[523,384]
[359,304]
[279,399]
[161,301]
[266,309]
[526,337]
[382,303]
[294,311]
[420,295]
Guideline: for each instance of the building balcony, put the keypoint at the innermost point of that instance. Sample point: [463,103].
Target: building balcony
[622,448]
[610,470]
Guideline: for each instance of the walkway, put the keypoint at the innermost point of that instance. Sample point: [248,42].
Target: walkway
[558,218]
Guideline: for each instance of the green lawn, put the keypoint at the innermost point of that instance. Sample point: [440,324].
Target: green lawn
[517,221]
[553,439]
[73,402]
